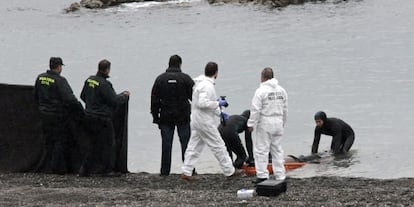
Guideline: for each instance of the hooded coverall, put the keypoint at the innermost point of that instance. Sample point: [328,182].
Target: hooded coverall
[204,122]
[268,114]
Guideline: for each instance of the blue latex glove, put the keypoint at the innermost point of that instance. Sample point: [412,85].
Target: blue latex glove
[225,116]
[223,103]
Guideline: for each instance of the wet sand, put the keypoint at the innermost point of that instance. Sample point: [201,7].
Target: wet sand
[143,189]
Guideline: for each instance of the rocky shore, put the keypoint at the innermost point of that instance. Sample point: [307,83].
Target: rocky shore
[143,189]
[98,4]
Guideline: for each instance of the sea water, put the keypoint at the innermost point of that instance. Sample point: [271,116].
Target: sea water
[353,59]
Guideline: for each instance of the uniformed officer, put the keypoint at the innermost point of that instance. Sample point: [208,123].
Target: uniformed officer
[56,102]
[101,100]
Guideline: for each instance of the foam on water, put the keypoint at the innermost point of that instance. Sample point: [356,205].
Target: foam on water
[139,5]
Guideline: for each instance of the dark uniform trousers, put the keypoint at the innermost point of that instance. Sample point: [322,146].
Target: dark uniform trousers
[100,144]
[57,135]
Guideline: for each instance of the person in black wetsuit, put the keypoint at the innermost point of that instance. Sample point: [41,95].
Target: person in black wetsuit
[229,132]
[342,134]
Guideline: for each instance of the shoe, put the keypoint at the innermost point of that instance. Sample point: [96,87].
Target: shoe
[259,180]
[238,163]
[188,178]
[237,173]
[250,163]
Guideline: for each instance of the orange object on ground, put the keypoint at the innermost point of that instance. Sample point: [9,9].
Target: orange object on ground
[288,166]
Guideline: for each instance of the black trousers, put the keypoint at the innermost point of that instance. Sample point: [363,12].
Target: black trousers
[99,147]
[233,144]
[57,136]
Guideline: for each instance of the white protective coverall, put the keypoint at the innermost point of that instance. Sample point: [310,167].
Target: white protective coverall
[205,118]
[268,114]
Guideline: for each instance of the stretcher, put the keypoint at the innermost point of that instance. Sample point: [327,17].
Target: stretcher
[251,170]
[291,163]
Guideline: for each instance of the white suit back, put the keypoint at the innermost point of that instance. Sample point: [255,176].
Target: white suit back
[269,107]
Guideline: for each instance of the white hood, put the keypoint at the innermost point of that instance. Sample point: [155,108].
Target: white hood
[271,83]
[198,79]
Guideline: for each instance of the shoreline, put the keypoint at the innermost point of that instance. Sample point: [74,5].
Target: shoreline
[144,189]
[102,4]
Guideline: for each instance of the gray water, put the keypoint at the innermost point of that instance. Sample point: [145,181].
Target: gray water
[352,59]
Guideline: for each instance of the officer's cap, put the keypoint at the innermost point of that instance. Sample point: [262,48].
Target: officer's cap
[55,61]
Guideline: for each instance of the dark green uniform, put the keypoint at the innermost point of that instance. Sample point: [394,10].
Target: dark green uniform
[101,101]
[56,103]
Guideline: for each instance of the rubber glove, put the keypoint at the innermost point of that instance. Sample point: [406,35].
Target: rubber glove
[223,103]
[225,116]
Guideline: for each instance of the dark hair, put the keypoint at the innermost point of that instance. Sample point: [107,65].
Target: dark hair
[54,62]
[175,61]
[267,73]
[211,69]
[320,115]
[103,65]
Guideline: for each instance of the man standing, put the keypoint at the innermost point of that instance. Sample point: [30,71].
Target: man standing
[204,122]
[55,101]
[229,131]
[342,134]
[101,100]
[170,108]
[268,114]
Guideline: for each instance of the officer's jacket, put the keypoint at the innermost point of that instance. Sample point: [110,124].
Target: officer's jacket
[99,96]
[54,95]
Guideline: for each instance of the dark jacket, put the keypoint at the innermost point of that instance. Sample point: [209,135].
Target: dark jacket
[54,95]
[170,97]
[230,131]
[234,125]
[100,96]
[338,129]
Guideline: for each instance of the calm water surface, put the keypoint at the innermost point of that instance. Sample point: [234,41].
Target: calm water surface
[352,59]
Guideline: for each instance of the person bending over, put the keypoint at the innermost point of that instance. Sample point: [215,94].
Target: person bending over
[229,132]
[342,134]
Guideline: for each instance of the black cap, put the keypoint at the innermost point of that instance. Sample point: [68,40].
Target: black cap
[55,61]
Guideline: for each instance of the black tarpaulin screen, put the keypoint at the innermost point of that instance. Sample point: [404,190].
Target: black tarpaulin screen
[21,141]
